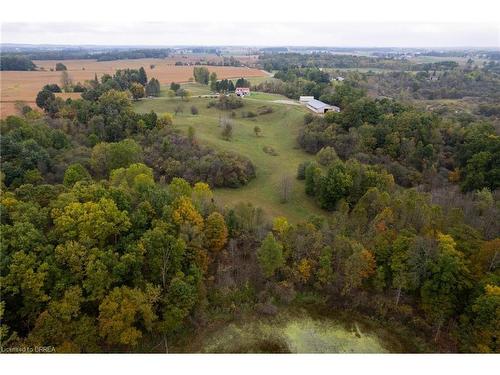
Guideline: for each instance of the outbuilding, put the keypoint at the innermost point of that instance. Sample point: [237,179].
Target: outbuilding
[305,99]
[318,106]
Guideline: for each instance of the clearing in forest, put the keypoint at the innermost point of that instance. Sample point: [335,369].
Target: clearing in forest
[279,132]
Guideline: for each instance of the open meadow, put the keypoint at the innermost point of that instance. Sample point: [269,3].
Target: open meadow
[279,132]
[24,85]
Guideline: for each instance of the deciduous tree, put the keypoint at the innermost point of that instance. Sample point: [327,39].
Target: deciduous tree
[270,255]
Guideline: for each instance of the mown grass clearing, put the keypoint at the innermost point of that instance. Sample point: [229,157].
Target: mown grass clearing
[279,131]
[265,96]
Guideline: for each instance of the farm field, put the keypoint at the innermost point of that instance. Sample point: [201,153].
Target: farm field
[23,86]
[279,131]
[462,61]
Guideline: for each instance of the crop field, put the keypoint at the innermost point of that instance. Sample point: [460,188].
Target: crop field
[279,131]
[23,86]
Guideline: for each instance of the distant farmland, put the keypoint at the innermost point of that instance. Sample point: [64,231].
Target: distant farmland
[23,86]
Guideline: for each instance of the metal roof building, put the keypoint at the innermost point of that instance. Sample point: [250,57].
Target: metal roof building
[320,107]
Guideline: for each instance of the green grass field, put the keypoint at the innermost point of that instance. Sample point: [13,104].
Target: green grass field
[257,80]
[266,96]
[198,89]
[279,131]
[193,87]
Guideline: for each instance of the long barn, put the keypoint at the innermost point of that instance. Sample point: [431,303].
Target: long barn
[318,106]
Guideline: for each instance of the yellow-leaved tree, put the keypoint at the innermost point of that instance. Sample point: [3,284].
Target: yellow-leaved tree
[216,232]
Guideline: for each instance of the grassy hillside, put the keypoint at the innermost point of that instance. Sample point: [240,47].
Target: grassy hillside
[279,131]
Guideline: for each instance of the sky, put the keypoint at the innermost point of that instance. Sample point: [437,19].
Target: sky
[335,23]
[338,34]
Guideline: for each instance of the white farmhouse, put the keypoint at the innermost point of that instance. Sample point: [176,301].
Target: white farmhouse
[242,91]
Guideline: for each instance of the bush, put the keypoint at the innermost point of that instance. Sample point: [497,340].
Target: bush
[264,110]
[269,150]
[248,114]
[194,110]
[301,169]
[164,120]
[308,118]
[60,67]
[229,102]
[227,131]
[79,88]
[174,86]
[53,87]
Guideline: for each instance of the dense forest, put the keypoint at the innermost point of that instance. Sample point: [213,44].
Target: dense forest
[112,240]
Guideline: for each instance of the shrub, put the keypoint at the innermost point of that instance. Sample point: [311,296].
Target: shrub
[301,169]
[264,110]
[227,131]
[60,67]
[308,118]
[53,87]
[229,102]
[269,150]
[248,114]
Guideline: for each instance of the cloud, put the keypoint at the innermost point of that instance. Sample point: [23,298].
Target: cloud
[256,34]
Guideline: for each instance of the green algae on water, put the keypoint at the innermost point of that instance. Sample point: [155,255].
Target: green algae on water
[311,336]
[296,335]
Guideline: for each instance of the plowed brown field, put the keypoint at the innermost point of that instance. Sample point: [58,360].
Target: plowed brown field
[23,86]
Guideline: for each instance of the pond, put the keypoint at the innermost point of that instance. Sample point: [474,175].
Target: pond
[293,335]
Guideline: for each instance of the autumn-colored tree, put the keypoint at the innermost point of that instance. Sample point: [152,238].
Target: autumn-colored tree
[124,315]
[72,256]
[90,223]
[179,187]
[304,270]
[137,91]
[136,176]
[185,213]
[281,226]
[64,326]
[202,197]
[216,232]
[164,120]
[488,257]
[359,266]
